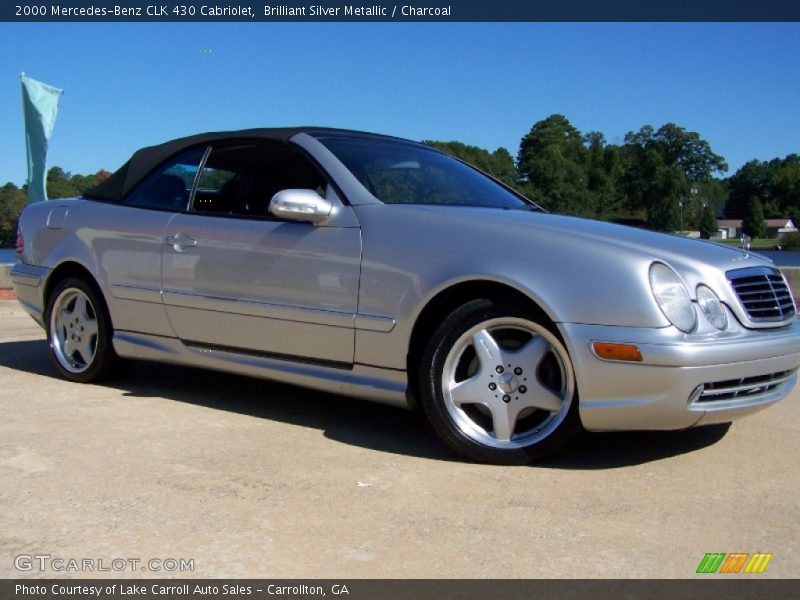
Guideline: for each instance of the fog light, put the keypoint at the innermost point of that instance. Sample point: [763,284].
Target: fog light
[613,351]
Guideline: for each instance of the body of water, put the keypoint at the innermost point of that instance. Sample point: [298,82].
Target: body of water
[781,258]
[7,255]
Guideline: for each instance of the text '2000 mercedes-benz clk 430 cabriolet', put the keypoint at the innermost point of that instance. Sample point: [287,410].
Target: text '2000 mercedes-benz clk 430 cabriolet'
[382,269]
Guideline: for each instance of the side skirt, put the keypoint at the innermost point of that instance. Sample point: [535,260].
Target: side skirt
[387,386]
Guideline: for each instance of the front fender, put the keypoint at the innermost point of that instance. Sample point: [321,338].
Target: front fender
[411,255]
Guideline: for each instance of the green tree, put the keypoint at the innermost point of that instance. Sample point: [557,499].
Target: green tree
[552,162]
[503,167]
[751,180]
[776,183]
[753,223]
[660,167]
[12,201]
[499,164]
[708,222]
[60,184]
[791,241]
[785,187]
[713,193]
[603,174]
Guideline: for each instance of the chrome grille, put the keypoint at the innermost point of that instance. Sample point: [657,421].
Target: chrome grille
[746,387]
[763,293]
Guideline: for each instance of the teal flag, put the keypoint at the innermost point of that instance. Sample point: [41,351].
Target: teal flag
[39,108]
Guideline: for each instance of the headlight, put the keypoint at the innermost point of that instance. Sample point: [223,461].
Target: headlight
[672,297]
[712,307]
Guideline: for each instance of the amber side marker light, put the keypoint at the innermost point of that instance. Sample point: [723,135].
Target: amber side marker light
[610,351]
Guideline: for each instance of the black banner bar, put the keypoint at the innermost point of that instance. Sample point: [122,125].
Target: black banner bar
[711,587]
[413,11]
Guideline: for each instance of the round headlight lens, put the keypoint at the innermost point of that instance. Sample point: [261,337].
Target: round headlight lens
[712,307]
[672,297]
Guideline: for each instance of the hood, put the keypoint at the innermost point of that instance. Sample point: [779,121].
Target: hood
[578,270]
[557,230]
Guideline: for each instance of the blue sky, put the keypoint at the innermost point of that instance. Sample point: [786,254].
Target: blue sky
[130,85]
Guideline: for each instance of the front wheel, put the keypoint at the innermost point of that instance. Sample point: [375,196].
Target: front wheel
[498,385]
[79,332]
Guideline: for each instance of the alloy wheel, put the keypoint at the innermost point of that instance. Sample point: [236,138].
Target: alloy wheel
[74,330]
[507,383]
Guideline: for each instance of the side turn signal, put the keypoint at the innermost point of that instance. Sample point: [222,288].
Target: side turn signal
[609,351]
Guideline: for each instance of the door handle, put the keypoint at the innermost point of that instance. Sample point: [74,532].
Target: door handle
[180,242]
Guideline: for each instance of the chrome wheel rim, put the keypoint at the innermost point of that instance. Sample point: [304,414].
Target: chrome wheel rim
[508,383]
[73,330]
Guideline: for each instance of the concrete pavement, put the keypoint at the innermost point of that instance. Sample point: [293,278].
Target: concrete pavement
[252,478]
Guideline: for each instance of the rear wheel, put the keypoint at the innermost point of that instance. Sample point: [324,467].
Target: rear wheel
[79,332]
[498,384]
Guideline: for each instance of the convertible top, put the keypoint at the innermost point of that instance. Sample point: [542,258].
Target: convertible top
[145,160]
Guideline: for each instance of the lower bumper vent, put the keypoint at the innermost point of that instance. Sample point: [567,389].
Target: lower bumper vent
[744,388]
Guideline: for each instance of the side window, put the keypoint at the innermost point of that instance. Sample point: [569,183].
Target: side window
[168,188]
[242,179]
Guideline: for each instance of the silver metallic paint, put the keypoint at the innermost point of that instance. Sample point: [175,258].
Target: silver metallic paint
[266,285]
[305,206]
[386,386]
[351,289]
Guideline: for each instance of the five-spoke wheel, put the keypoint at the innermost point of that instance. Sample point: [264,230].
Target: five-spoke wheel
[498,385]
[73,330]
[79,332]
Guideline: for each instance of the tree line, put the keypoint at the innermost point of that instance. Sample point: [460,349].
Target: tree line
[60,184]
[667,178]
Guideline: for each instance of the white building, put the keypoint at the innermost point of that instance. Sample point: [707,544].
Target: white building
[776,228]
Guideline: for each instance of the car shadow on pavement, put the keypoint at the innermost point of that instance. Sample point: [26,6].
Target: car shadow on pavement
[342,419]
[351,421]
[627,448]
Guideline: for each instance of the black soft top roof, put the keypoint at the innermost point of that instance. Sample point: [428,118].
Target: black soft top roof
[145,160]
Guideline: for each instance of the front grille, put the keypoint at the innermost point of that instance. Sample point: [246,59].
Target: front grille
[746,387]
[763,293]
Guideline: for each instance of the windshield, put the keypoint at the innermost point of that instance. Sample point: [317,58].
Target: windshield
[398,173]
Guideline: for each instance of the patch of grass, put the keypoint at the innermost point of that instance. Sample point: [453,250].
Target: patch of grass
[756,244]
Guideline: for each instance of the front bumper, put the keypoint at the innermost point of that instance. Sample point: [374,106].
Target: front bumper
[28,282]
[757,368]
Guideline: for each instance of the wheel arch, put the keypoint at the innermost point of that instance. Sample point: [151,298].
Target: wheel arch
[446,301]
[72,268]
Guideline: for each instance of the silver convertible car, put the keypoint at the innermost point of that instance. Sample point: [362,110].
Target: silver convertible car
[382,269]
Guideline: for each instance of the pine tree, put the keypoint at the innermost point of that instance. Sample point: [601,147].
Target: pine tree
[708,223]
[753,223]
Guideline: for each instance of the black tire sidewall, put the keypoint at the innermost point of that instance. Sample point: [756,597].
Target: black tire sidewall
[433,403]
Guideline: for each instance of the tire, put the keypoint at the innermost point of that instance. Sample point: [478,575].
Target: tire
[497,384]
[79,332]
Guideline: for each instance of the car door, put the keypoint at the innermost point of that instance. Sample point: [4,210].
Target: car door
[236,278]
[127,238]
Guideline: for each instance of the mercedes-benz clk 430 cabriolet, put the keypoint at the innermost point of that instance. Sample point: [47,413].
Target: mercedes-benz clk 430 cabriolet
[382,269]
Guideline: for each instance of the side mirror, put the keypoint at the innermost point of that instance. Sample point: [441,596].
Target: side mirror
[300,205]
